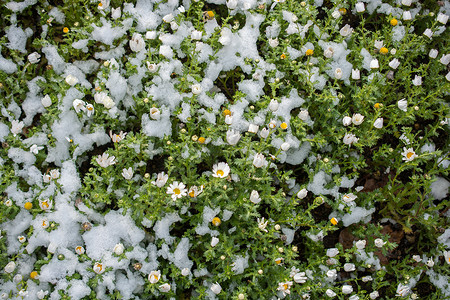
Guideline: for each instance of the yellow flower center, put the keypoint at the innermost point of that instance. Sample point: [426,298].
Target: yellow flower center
[192,193]
[216,221]
[226,112]
[285,286]
[210,14]
[283,125]
[201,140]
[220,173]
[409,154]
[78,248]
[377,105]
[334,221]
[28,205]
[176,191]
[45,204]
[309,52]
[90,108]
[99,267]
[394,22]
[278,261]
[384,50]
[283,56]
[343,11]
[33,274]
[154,277]
[44,223]
[65,30]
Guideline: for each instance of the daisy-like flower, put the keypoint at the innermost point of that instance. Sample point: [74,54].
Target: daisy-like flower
[16,127]
[194,191]
[402,290]
[259,160]
[284,287]
[349,197]
[165,288]
[22,239]
[409,154]
[89,110]
[155,113]
[216,288]
[54,174]
[262,224]
[98,268]
[127,173]
[161,179]
[221,170]
[71,80]
[279,260]
[46,178]
[346,30]
[254,197]
[196,89]
[357,119]
[264,133]
[79,250]
[137,42]
[177,190]
[447,256]
[78,105]
[116,138]
[233,137]
[35,149]
[402,105]
[379,243]
[350,138]
[46,101]
[300,277]
[45,204]
[105,160]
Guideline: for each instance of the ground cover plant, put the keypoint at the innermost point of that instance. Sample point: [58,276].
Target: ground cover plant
[239,149]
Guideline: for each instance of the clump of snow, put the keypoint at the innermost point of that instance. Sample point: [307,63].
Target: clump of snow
[439,188]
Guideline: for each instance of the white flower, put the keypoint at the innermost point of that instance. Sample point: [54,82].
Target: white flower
[232,4]
[177,190]
[273,105]
[98,97]
[378,123]
[45,204]
[214,241]
[406,2]
[409,154]
[356,74]
[221,170]
[360,7]
[361,244]
[98,268]
[347,289]
[300,277]
[302,193]
[79,250]
[350,138]
[253,128]
[430,262]
[71,80]
[379,242]
[16,127]
[336,14]
[445,59]
[196,89]
[259,160]
[402,290]
[41,294]
[417,81]
[332,252]
[165,288]
[166,51]
[185,272]
[115,13]
[161,179]
[168,18]
[407,15]
[35,149]
[405,139]
[155,114]
[366,278]
[254,197]
[442,18]
[46,101]
[127,173]
[346,30]
[303,114]
[116,138]
[394,63]
[350,197]
[8,203]
[173,25]
[152,67]
[272,124]
[328,52]
[23,293]
[285,146]
[108,102]
[402,105]
[428,33]
[233,137]
[181,9]
[216,288]
[338,73]
[433,53]
[228,119]
[332,274]
[150,35]
[374,64]
[273,42]
[89,110]
[52,248]
[118,249]
[104,4]
[105,160]
[349,267]
[46,178]
[196,35]
[330,293]
[262,224]
[374,295]
[346,121]
[284,287]
[417,258]
[378,44]
[78,105]
[264,133]
[10,267]
[357,119]
[447,256]
[154,276]
[34,58]
[354,297]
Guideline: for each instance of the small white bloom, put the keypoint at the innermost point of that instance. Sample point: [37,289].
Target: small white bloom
[406,2]
[366,278]
[154,276]
[346,121]
[302,193]
[378,44]
[330,293]
[173,25]
[300,277]
[52,248]
[347,289]
[417,81]
[445,59]
[105,160]
[264,133]
[152,67]
[216,288]
[447,257]
[402,290]
[350,138]
[259,160]
[176,190]
[108,102]
[127,173]
[214,241]
[181,9]
[155,113]
[430,262]
[137,42]
[118,249]
[409,154]
[71,80]
[89,110]
[350,197]
[378,123]
[165,288]
[45,204]
[433,53]
[196,35]
[168,18]
[349,267]
[332,252]
[357,119]
[23,293]
[407,15]
[356,74]
[166,51]
[185,272]
[402,105]
[46,101]
[116,138]
[328,52]
[262,224]
[353,297]
[233,137]
[196,89]
[332,274]
[228,119]
[273,105]
[161,179]
[346,30]
[336,14]
[253,128]
[79,250]
[338,73]
[442,18]
[254,197]
[428,33]
[41,294]
[8,203]
[379,242]
[34,58]
[115,13]
[232,4]
[273,42]
[35,149]
[10,267]
[374,64]
[103,4]
[22,239]
[78,105]
[46,178]
[16,127]
[360,7]
[284,287]
[285,146]
[374,295]
[303,114]
[417,258]
[394,63]
[361,244]
[221,170]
